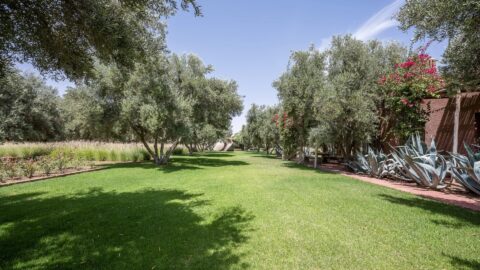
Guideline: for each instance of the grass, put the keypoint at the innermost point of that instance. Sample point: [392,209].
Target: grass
[228,210]
[83,150]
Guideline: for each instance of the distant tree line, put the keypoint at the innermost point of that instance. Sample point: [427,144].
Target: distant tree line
[354,93]
[128,86]
[166,100]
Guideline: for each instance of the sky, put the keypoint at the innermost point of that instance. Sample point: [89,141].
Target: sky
[250,41]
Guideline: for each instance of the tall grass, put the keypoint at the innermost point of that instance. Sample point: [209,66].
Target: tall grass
[80,150]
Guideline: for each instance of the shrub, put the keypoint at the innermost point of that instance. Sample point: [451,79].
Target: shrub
[46,165]
[113,155]
[101,155]
[179,151]
[123,156]
[10,168]
[2,172]
[28,167]
[61,157]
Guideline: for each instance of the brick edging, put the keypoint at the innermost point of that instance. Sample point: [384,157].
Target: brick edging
[47,177]
[451,199]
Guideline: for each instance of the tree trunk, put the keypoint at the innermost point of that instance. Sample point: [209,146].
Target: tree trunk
[300,155]
[316,157]
[456,124]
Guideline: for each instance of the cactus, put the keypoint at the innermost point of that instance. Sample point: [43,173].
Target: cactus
[426,167]
[466,169]
[374,164]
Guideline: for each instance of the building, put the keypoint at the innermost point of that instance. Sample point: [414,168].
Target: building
[440,125]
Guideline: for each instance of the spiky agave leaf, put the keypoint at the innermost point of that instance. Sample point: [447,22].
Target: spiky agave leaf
[374,163]
[360,164]
[429,170]
[466,169]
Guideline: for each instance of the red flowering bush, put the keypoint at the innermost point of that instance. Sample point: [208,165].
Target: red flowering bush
[404,90]
[283,122]
[288,133]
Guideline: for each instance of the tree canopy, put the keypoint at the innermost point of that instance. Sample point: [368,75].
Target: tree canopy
[452,20]
[69,37]
[29,109]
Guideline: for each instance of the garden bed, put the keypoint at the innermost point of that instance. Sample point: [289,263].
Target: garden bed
[69,171]
[9,182]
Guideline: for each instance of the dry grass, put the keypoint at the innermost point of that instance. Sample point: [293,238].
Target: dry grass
[88,150]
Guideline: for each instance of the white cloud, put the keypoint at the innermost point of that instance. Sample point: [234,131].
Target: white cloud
[379,22]
[325,44]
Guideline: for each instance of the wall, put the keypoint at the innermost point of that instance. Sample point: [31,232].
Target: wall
[440,123]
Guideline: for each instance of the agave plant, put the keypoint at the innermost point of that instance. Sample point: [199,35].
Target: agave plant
[374,164]
[426,167]
[466,169]
[414,147]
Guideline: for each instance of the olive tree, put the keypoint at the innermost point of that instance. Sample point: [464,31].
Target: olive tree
[317,137]
[166,98]
[68,37]
[28,109]
[211,103]
[297,87]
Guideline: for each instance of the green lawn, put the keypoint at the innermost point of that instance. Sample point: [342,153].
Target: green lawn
[228,210]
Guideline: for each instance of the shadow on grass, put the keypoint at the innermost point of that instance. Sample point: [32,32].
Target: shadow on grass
[460,263]
[181,163]
[149,229]
[303,167]
[212,154]
[464,217]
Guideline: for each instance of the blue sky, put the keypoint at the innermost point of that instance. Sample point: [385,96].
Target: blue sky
[250,41]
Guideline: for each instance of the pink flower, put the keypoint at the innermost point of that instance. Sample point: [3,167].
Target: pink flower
[407,64]
[408,75]
[431,70]
[424,56]
[382,80]
[404,101]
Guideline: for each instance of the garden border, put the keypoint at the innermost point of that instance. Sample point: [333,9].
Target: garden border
[40,178]
[453,198]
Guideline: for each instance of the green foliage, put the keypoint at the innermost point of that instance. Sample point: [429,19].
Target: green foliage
[348,104]
[10,168]
[262,130]
[319,135]
[167,100]
[46,164]
[28,109]
[404,90]
[297,88]
[69,37]
[180,151]
[86,116]
[452,20]
[336,91]
[62,157]
[27,167]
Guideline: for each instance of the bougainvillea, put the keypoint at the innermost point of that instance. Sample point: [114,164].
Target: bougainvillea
[404,110]
[287,132]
